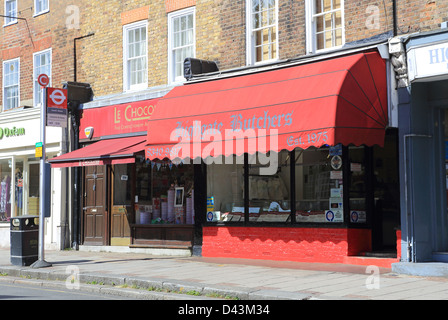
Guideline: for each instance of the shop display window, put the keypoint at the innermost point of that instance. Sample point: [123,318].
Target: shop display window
[225,189]
[33,188]
[317,180]
[6,185]
[164,192]
[18,189]
[358,185]
[269,194]
[122,190]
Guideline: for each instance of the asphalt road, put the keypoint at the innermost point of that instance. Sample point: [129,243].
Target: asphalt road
[14,291]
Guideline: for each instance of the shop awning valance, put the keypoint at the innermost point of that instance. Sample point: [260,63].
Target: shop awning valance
[110,151]
[341,100]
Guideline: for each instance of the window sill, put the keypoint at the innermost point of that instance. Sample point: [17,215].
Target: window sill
[40,13]
[10,23]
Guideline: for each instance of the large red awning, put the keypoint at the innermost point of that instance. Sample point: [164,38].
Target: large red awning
[111,151]
[342,100]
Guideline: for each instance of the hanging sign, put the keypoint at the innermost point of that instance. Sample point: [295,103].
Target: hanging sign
[56,107]
[43,80]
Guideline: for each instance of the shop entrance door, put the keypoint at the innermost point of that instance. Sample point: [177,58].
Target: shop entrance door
[123,196]
[95,216]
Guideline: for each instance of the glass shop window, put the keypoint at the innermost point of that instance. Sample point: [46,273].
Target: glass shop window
[269,187]
[357,190]
[318,178]
[172,193]
[122,190]
[5,189]
[225,190]
[18,188]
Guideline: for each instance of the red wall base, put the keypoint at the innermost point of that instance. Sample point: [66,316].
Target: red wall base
[321,245]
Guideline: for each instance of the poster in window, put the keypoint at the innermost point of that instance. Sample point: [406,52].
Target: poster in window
[179,197]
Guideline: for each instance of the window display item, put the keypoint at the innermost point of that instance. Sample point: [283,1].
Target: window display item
[170,204]
[145,217]
[156,208]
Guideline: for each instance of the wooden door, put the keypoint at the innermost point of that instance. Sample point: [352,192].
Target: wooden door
[95,215]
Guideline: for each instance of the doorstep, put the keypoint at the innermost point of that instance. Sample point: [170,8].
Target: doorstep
[370,261]
[423,269]
[157,251]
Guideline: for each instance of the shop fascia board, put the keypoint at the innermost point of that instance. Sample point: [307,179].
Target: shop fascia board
[9,116]
[29,151]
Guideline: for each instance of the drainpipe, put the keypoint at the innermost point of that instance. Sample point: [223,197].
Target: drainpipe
[77,173]
[394,18]
[410,214]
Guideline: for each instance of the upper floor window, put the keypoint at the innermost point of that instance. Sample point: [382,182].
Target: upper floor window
[135,62]
[181,42]
[262,30]
[42,65]
[325,24]
[41,6]
[11,84]
[10,11]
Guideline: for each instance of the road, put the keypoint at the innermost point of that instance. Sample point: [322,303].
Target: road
[16,291]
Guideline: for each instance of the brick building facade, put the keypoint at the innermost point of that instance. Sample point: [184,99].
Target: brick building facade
[133,51]
[36,37]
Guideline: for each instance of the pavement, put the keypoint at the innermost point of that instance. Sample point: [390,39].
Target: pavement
[153,277]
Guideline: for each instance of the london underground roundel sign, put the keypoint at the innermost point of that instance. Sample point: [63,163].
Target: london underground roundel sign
[43,80]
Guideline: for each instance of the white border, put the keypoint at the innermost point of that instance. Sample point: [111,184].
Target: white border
[41,12]
[3,83]
[171,16]
[36,75]
[250,52]
[126,28]
[310,26]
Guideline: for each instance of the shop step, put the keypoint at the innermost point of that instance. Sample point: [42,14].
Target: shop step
[440,256]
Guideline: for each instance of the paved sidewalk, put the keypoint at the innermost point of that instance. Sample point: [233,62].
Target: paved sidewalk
[211,278]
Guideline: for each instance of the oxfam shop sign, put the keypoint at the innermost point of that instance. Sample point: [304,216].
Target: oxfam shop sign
[11,132]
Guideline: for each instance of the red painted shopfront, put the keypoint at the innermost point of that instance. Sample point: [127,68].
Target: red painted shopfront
[119,185]
[297,162]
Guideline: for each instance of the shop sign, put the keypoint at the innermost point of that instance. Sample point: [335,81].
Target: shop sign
[11,132]
[357,216]
[428,61]
[38,151]
[56,107]
[117,119]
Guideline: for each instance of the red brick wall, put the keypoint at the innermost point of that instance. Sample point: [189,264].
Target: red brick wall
[135,15]
[44,31]
[323,245]
[173,5]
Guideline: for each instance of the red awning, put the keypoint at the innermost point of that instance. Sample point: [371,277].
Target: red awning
[111,151]
[342,100]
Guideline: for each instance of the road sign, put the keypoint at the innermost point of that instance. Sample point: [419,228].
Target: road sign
[56,107]
[56,98]
[38,152]
[43,80]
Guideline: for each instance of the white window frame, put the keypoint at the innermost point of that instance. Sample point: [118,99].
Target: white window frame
[41,11]
[36,85]
[311,42]
[9,21]
[171,59]
[126,81]
[250,36]
[4,81]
